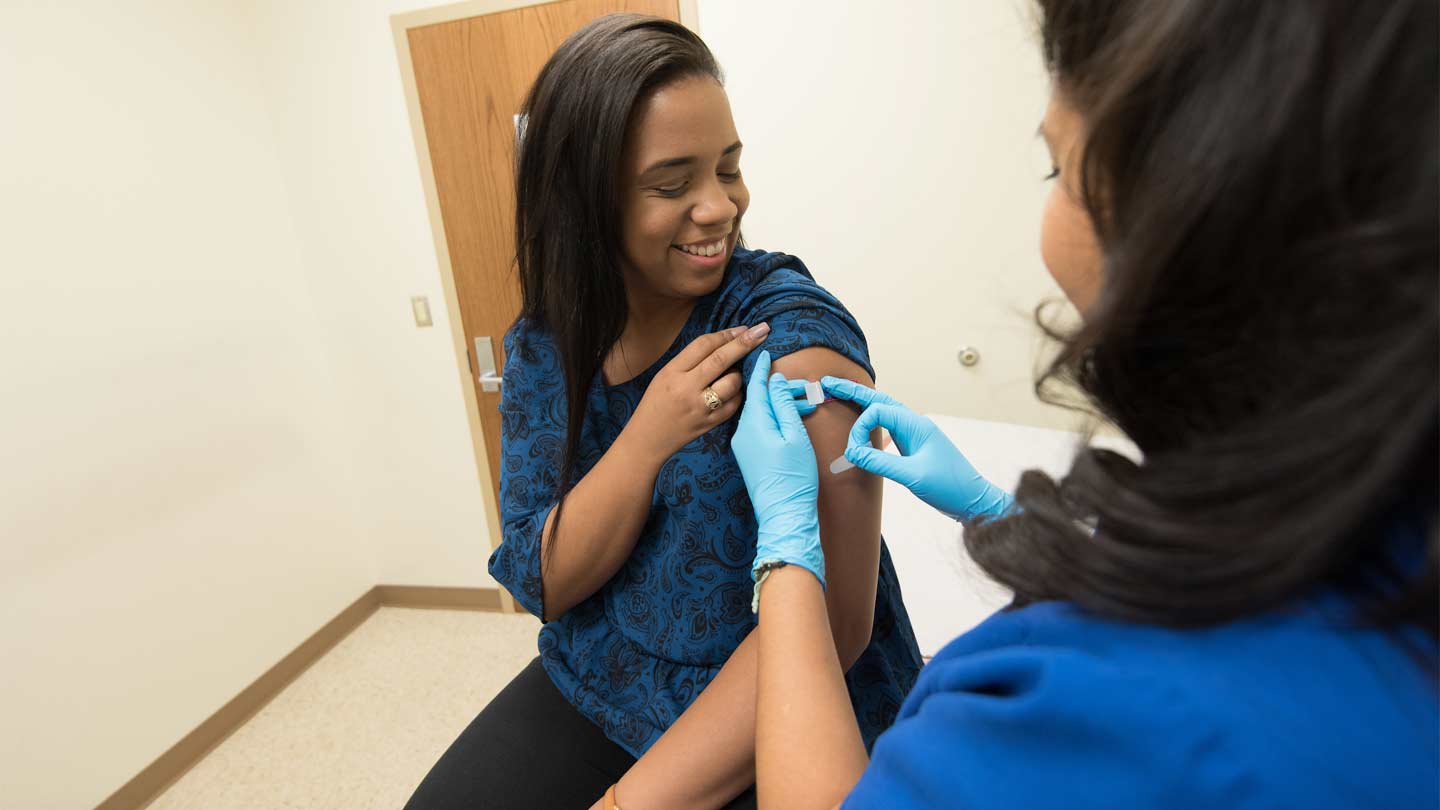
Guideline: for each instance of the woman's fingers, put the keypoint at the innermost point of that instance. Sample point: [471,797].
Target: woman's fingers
[728,353]
[727,387]
[728,409]
[701,347]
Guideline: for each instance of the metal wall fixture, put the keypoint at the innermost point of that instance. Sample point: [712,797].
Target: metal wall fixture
[484,365]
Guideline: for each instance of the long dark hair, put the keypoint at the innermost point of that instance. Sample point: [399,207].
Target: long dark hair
[1263,177]
[567,195]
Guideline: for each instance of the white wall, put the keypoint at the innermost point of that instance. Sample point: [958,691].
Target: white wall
[220,424]
[349,165]
[892,147]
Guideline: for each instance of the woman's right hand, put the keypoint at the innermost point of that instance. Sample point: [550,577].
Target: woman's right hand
[928,464]
[673,410]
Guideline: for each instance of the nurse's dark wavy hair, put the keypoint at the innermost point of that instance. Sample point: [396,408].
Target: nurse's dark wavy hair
[567,192]
[1264,177]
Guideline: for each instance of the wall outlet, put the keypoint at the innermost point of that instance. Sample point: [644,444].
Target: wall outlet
[420,305]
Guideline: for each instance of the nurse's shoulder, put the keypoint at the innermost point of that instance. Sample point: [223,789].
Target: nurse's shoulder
[1047,706]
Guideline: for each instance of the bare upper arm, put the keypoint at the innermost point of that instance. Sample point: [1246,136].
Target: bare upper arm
[849,503]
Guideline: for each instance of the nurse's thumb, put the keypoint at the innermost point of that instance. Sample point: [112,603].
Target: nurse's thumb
[880,463]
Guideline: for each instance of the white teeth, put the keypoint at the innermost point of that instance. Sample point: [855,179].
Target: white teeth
[704,250]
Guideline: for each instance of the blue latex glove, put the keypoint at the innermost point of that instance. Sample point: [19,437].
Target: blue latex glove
[928,464]
[797,392]
[778,465]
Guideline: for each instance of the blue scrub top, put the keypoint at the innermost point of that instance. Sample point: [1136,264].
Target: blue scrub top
[637,653]
[1048,707]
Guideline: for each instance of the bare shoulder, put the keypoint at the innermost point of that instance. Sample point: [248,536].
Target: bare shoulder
[829,426]
[818,361]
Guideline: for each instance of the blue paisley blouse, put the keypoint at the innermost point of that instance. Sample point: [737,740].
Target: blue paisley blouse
[634,655]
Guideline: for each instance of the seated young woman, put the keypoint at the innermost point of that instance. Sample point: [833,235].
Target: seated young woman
[627,526]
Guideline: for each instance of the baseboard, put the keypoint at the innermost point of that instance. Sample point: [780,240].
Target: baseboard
[182,756]
[435,598]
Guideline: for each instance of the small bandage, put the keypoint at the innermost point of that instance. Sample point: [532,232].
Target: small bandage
[814,393]
[842,463]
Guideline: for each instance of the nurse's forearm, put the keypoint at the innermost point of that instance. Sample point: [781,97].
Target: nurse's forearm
[707,757]
[604,514]
[809,753]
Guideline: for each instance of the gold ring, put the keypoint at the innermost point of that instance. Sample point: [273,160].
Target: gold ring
[712,399]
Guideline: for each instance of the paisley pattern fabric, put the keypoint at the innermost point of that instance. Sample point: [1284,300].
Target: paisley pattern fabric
[633,656]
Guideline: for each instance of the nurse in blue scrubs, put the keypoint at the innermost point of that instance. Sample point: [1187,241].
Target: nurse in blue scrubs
[1245,212]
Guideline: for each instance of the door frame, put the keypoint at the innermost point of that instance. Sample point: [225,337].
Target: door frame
[400,25]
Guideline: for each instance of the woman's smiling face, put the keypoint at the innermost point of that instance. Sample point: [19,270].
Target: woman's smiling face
[682,192]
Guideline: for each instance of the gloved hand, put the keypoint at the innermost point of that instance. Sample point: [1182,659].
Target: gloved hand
[797,392]
[778,465]
[928,464]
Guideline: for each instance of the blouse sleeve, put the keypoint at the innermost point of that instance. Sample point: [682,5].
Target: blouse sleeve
[998,723]
[802,315]
[532,404]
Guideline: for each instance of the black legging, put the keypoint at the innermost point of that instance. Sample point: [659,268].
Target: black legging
[529,750]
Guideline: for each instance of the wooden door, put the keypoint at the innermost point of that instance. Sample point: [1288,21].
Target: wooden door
[470,78]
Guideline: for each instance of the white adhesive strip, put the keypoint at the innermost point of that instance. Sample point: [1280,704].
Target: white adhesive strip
[842,464]
[814,392]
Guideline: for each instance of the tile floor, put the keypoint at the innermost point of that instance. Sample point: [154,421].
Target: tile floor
[361,728]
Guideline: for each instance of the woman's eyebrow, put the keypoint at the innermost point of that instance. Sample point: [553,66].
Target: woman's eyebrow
[670,163]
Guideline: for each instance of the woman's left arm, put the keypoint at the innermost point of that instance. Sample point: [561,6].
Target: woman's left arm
[708,756]
[849,505]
